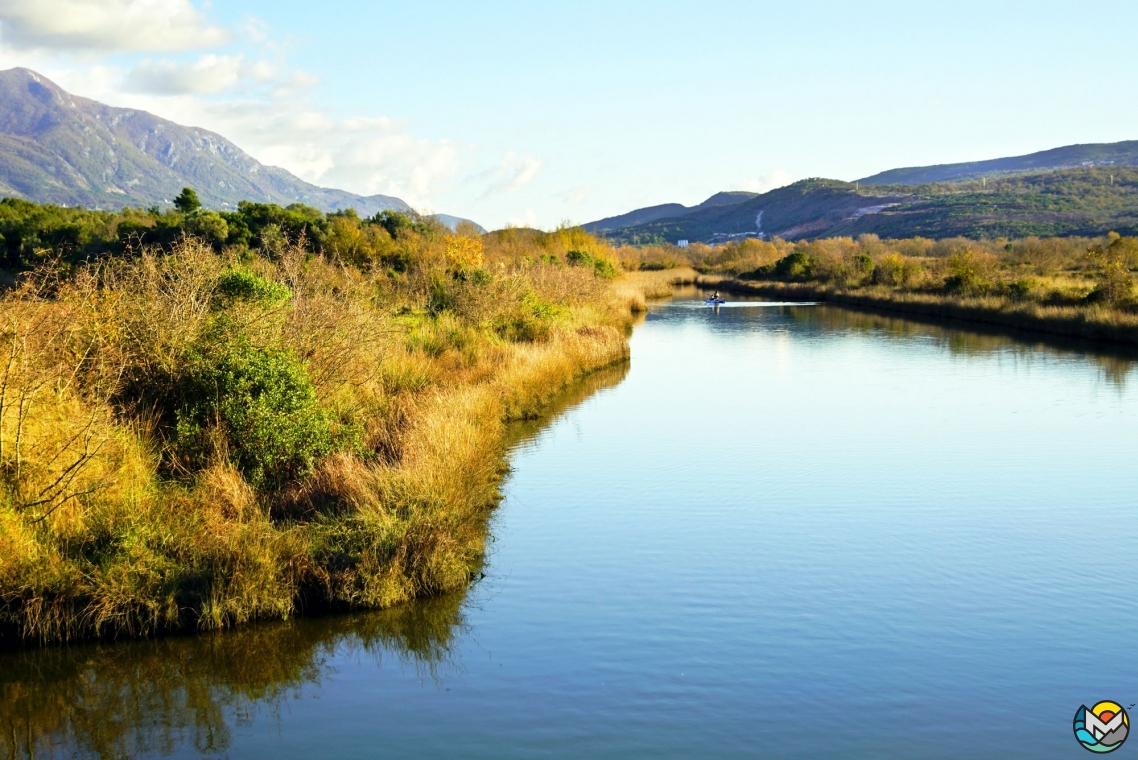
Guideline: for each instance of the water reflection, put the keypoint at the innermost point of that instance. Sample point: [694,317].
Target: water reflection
[154,697]
[526,432]
[1116,363]
[160,697]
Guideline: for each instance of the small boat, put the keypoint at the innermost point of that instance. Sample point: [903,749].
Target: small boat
[713,301]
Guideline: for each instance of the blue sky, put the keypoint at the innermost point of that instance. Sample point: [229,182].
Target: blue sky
[539,112]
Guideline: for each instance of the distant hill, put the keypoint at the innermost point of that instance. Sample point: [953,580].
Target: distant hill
[1085,201]
[1075,190]
[63,149]
[1069,157]
[665,211]
[804,209]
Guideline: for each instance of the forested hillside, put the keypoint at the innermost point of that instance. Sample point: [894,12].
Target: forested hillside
[1086,201]
[1067,157]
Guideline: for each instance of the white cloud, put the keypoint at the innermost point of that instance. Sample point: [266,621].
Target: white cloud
[294,85]
[263,72]
[256,30]
[511,174]
[106,25]
[528,219]
[766,182]
[246,93]
[578,194]
[209,74]
[368,156]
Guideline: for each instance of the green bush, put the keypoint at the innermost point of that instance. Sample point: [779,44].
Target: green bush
[531,322]
[604,269]
[863,265]
[257,406]
[1113,260]
[208,226]
[440,294]
[241,284]
[967,275]
[1021,289]
[579,258]
[796,266]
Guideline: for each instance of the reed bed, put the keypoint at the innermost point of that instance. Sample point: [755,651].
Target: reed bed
[639,287]
[1078,287]
[195,440]
[1097,321]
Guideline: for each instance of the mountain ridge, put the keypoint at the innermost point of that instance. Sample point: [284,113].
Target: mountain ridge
[65,149]
[1082,155]
[1079,189]
[667,211]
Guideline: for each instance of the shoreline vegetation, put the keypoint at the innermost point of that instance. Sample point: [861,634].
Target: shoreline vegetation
[1099,325]
[209,419]
[197,435]
[1072,287]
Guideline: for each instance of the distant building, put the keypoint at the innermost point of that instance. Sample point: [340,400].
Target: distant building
[682,243]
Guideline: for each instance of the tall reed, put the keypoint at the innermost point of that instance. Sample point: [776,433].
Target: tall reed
[191,439]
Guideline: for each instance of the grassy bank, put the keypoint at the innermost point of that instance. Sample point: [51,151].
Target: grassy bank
[1099,323]
[195,438]
[1075,287]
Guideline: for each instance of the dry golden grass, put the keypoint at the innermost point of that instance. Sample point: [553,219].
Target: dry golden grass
[637,288]
[1093,321]
[105,530]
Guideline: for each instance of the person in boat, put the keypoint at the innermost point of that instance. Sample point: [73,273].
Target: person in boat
[716,296]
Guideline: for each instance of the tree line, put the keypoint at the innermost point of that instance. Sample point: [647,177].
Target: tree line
[32,233]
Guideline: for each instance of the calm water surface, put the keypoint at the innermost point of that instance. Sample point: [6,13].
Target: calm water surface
[782,532]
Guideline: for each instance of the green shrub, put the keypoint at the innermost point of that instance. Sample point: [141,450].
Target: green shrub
[208,226]
[579,258]
[796,266]
[241,284]
[1113,260]
[604,269]
[968,275]
[531,322]
[255,405]
[1021,289]
[440,294]
[863,265]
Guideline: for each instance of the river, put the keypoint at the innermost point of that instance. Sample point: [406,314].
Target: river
[781,532]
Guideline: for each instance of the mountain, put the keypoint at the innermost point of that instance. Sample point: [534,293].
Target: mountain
[665,211]
[1074,190]
[1068,157]
[63,149]
[804,209]
[1086,201]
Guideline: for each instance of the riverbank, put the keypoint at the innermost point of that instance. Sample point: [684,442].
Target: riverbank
[1093,322]
[196,441]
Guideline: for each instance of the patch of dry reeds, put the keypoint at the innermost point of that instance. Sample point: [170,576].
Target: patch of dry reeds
[106,529]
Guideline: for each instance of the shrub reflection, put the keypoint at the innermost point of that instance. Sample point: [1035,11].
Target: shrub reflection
[129,699]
